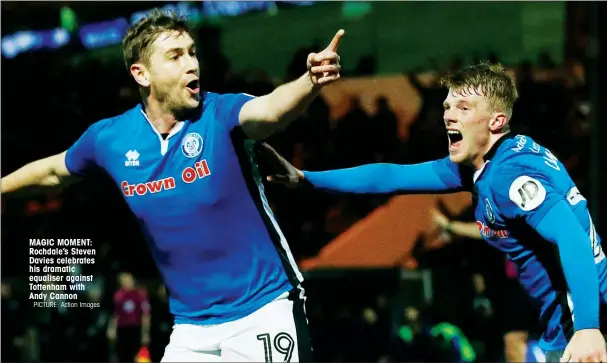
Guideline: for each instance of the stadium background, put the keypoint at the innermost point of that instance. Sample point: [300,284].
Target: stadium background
[380,274]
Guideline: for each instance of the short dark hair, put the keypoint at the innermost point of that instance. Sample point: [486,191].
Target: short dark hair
[136,43]
[491,80]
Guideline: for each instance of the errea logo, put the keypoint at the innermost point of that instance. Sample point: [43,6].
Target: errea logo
[131,158]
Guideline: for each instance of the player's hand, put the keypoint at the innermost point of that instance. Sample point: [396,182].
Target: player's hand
[281,171]
[587,345]
[324,67]
[439,219]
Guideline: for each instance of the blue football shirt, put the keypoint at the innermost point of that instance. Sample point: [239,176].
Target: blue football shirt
[199,199]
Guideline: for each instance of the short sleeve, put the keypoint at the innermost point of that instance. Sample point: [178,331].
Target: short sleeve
[229,106]
[524,193]
[81,158]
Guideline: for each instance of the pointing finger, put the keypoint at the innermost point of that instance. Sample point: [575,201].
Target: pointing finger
[336,39]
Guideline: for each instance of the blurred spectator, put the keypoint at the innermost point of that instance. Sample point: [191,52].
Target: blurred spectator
[481,328]
[129,327]
[414,342]
[384,132]
[371,337]
[351,136]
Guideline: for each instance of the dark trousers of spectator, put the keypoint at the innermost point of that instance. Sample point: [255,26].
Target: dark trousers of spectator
[128,343]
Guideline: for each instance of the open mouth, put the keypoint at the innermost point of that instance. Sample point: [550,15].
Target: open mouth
[193,87]
[455,138]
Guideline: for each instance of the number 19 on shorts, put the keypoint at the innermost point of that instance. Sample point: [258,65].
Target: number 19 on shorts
[283,343]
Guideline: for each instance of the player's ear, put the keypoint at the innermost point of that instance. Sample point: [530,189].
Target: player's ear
[140,74]
[498,122]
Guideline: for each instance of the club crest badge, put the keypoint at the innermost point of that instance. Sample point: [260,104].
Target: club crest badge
[191,145]
[489,211]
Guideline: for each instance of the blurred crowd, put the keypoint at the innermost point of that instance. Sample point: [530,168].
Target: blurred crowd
[470,313]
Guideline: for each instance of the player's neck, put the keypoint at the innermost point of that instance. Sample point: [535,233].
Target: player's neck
[161,118]
[479,161]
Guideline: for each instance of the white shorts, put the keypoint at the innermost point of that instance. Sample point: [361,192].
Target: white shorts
[278,332]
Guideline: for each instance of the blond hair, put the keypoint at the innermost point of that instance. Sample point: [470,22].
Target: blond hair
[488,80]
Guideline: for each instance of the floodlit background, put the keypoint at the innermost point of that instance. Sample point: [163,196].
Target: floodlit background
[385,283]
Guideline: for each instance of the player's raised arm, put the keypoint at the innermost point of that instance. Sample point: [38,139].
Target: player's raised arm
[266,115]
[50,171]
[437,176]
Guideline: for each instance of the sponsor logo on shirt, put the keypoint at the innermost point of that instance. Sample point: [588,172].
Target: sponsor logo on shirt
[489,233]
[188,175]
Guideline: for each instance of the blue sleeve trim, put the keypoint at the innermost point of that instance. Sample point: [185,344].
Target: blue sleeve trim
[70,163]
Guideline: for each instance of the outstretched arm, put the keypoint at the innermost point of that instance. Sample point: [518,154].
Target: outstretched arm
[45,172]
[77,161]
[431,177]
